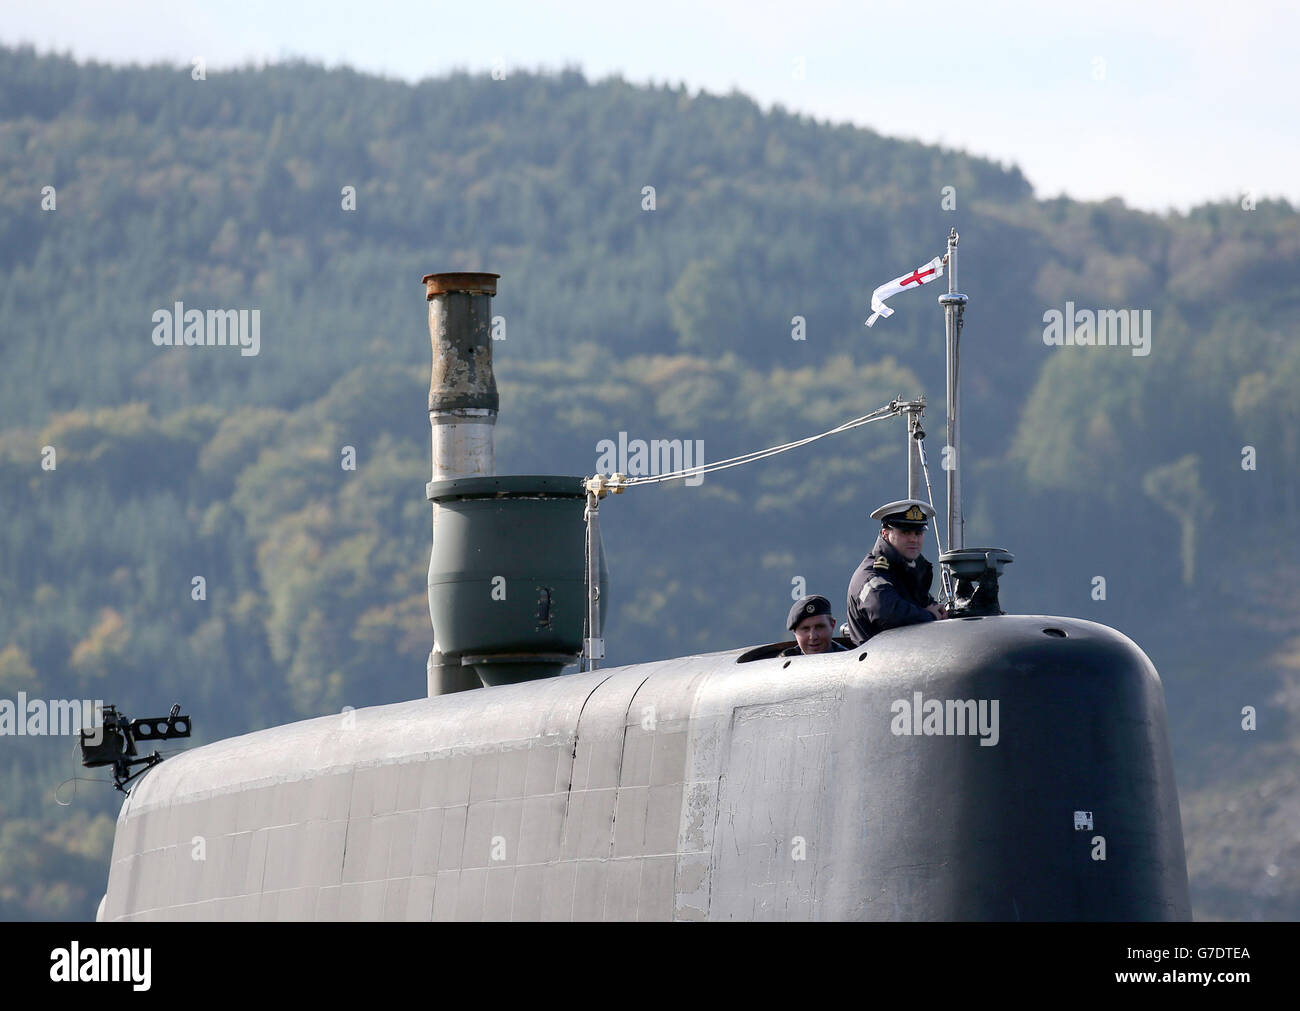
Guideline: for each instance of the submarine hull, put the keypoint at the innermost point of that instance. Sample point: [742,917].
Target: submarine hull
[865,785]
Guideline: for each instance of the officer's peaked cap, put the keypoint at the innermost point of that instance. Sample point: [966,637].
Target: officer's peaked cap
[908,513]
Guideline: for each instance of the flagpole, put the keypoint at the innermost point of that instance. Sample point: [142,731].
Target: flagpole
[954,304]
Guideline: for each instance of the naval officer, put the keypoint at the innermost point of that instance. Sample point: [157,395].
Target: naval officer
[813,625]
[892,585]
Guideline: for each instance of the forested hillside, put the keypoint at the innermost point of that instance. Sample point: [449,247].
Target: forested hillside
[660,253]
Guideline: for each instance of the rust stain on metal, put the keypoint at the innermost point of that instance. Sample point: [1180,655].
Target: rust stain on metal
[455,374]
[469,283]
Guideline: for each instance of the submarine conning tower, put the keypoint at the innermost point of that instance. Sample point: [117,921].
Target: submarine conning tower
[507,575]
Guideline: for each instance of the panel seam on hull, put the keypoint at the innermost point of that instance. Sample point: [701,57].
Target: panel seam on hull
[573,759]
[618,782]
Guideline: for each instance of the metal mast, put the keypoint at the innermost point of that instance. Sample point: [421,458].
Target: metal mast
[912,410]
[954,304]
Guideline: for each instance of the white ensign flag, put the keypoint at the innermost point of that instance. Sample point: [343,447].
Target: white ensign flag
[923,274]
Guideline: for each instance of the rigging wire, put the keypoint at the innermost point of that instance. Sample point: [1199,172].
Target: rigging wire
[944,575]
[599,486]
[74,779]
[889,411]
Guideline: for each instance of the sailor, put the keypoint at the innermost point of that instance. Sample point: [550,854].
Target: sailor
[813,626]
[892,585]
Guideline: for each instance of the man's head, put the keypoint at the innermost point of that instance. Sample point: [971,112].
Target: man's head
[907,541]
[902,525]
[812,623]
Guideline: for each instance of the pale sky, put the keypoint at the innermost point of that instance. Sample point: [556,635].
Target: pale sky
[1164,104]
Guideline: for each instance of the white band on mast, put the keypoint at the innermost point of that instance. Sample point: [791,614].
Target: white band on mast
[954,304]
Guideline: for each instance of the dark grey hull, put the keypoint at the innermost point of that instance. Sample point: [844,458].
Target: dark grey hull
[698,788]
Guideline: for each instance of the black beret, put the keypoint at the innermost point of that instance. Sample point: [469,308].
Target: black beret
[807,607]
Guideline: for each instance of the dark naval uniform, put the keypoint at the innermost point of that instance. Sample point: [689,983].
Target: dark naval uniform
[887,590]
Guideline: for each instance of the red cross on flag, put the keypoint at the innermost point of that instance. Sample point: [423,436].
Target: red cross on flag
[923,274]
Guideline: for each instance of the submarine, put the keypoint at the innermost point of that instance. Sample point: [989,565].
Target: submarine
[985,767]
